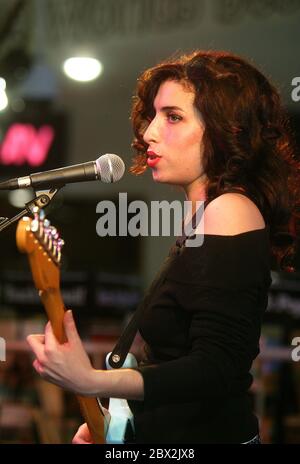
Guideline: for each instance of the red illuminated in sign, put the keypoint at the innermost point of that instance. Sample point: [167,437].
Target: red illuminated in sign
[23,143]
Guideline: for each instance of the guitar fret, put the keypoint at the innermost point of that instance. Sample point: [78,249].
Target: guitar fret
[43,245]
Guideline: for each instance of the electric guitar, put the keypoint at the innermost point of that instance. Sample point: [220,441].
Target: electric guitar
[42,243]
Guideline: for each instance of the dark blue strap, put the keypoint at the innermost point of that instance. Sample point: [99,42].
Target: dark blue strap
[194,222]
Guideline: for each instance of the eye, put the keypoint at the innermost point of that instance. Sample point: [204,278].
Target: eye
[173,117]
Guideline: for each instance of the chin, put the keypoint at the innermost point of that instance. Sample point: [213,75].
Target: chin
[156,177]
[163,180]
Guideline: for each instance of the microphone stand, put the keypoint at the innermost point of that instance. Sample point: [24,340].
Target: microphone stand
[42,199]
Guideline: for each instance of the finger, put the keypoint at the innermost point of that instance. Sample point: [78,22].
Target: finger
[36,343]
[79,441]
[50,339]
[86,433]
[70,327]
[46,373]
[82,436]
[37,366]
[40,337]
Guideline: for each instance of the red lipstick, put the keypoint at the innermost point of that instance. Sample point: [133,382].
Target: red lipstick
[152,159]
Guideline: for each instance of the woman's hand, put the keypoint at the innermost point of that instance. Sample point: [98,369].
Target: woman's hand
[66,364]
[82,436]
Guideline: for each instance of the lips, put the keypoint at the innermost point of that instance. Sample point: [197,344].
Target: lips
[152,154]
[152,158]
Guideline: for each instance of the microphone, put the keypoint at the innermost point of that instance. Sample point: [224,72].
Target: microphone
[107,168]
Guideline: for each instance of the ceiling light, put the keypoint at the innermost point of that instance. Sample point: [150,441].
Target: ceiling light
[82,69]
[18,198]
[3,96]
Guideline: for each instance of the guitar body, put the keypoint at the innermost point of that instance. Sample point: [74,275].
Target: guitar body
[121,417]
[43,246]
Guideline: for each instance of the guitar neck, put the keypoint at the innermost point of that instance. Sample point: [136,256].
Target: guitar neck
[91,408]
[43,247]
[55,309]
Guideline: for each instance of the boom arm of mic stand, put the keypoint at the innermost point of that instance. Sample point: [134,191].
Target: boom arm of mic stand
[42,199]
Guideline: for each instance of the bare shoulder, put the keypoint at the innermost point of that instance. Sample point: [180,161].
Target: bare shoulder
[231,214]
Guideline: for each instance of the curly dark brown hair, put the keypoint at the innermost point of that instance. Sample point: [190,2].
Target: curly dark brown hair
[247,141]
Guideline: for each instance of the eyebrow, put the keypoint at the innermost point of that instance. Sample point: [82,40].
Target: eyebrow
[170,108]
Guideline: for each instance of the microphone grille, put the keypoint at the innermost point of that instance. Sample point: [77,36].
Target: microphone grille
[110,168]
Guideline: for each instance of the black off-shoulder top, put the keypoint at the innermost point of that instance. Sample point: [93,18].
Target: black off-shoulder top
[201,328]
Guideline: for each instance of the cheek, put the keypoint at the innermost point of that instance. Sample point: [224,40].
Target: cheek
[192,151]
[191,138]
[191,147]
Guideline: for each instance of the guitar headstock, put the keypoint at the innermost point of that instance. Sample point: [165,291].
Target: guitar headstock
[41,241]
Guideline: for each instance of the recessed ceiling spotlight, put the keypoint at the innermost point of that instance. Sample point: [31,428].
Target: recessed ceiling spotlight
[82,69]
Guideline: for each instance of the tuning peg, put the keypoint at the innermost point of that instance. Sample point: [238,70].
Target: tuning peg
[34,226]
[41,219]
[57,252]
[42,214]
[54,233]
[47,234]
[44,233]
[53,237]
[60,244]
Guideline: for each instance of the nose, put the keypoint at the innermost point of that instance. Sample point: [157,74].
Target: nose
[152,132]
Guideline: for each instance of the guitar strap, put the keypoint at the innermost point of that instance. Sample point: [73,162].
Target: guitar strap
[120,351]
[124,343]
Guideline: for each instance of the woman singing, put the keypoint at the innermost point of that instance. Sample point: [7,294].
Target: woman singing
[212,124]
